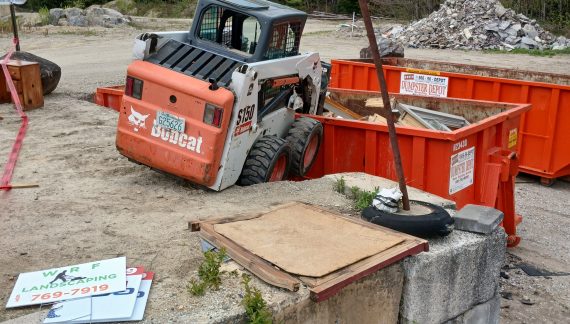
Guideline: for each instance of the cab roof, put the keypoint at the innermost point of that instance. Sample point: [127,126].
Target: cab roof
[260,8]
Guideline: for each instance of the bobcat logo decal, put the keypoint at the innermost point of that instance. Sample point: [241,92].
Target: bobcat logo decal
[137,120]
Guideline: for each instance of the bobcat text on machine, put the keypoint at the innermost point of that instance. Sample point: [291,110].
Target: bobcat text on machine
[217,105]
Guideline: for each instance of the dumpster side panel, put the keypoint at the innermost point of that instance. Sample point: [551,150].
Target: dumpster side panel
[543,132]
[561,145]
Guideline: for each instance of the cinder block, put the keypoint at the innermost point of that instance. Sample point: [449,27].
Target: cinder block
[478,219]
[486,313]
[459,272]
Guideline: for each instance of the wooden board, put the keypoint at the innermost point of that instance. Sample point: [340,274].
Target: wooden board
[322,287]
[307,241]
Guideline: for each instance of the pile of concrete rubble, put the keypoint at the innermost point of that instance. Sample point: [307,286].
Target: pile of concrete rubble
[476,25]
[93,16]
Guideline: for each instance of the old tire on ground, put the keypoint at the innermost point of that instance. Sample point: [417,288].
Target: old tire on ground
[268,160]
[305,137]
[49,71]
[437,222]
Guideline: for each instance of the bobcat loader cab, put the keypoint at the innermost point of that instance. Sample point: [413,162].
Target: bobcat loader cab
[217,105]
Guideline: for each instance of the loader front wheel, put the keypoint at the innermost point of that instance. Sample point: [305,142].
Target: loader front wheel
[268,161]
[305,137]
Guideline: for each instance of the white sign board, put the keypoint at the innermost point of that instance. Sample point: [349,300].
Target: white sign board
[109,307]
[57,284]
[423,85]
[461,170]
[142,297]
[9,2]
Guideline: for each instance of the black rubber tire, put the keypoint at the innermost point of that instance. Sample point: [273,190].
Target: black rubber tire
[49,71]
[299,136]
[438,222]
[262,158]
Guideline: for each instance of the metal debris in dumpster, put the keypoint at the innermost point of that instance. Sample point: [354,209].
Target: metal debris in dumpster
[475,164]
[545,151]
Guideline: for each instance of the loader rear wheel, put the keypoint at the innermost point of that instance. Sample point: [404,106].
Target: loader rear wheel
[305,137]
[268,160]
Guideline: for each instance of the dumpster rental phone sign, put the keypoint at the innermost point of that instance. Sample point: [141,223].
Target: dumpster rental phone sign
[423,85]
[82,280]
[461,170]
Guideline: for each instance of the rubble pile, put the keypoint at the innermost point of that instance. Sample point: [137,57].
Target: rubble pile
[93,16]
[476,25]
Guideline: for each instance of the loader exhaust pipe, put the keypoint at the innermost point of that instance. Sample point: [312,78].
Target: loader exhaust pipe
[386,99]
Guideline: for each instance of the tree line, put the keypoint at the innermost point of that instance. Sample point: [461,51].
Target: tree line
[555,14]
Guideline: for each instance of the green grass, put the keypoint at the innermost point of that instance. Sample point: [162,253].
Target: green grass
[533,52]
[82,32]
[254,304]
[340,185]
[208,272]
[362,198]
[44,16]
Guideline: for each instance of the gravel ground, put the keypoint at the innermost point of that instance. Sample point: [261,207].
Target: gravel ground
[94,204]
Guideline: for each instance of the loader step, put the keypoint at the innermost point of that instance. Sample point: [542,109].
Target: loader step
[195,62]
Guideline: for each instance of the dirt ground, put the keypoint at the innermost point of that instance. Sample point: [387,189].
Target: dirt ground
[94,204]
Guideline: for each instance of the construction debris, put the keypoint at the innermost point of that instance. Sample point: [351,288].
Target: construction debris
[388,48]
[476,25]
[416,117]
[92,16]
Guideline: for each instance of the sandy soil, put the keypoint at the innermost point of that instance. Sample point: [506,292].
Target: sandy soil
[94,204]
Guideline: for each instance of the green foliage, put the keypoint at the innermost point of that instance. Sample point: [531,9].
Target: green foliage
[44,16]
[37,4]
[208,272]
[197,288]
[362,198]
[255,307]
[340,185]
[348,6]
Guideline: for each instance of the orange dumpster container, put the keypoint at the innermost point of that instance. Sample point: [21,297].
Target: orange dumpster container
[110,97]
[475,164]
[543,132]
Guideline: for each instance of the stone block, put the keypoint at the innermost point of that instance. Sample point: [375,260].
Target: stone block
[478,219]
[485,313]
[459,272]
[372,299]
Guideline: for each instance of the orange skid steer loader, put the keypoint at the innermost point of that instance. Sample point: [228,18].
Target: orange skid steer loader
[217,105]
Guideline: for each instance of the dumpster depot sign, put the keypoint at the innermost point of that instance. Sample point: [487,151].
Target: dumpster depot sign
[461,170]
[423,85]
[82,280]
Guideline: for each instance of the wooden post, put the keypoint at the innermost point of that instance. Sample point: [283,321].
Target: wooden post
[386,99]
[15,26]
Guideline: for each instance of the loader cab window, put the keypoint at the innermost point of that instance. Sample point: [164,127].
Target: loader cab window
[230,29]
[284,42]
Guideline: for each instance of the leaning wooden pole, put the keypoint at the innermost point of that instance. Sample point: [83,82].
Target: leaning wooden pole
[14,26]
[386,99]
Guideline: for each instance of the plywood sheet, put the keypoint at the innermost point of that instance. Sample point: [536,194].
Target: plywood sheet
[307,241]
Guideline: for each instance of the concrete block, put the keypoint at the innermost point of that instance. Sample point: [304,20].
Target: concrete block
[369,182]
[373,299]
[478,219]
[459,272]
[486,313]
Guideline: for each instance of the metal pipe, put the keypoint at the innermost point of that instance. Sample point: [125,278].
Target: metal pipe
[15,27]
[386,99]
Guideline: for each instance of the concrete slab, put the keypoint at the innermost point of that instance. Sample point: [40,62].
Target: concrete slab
[374,299]
[486,313]
[459,272]
[478,219]
[369,182]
